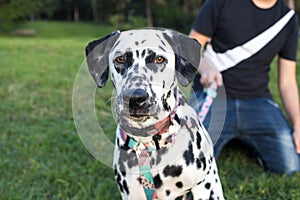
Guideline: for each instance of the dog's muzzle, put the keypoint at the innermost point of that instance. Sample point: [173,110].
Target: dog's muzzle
[136,104]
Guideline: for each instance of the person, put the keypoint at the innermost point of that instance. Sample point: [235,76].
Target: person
[240,40]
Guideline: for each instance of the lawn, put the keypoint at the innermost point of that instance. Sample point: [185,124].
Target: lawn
[41,154]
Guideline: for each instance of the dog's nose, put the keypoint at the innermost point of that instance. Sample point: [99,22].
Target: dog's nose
[136,98]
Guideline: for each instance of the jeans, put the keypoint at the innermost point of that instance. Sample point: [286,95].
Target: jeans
[258,122]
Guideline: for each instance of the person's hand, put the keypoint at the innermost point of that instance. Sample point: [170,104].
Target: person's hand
[296,136]
[209,74]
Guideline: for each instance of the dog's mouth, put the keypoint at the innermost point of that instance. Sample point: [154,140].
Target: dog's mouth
[136,115]
[139,118]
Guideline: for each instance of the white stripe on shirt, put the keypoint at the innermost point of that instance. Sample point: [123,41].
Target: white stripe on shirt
[231,57]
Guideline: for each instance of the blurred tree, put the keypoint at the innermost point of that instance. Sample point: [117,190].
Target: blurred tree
[102,10]
[175,14]
[76,10]
[95,9]
[121,5]
[14,11]
[149,13]
[43,8]
[73,10]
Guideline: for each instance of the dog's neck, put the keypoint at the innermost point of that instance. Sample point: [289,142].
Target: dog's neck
[162,136]
[157,135]
[146,132]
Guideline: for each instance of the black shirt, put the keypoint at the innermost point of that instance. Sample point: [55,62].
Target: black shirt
[231,23]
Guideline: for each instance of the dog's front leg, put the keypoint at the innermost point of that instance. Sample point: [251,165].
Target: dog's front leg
[210,187]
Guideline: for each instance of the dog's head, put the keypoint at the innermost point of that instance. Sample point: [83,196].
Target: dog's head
[145,66]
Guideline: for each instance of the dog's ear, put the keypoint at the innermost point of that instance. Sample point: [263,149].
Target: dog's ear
[97,53]
[187,53]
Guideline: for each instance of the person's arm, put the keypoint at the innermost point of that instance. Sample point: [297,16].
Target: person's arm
[202,39]
[209,73]
[289,93]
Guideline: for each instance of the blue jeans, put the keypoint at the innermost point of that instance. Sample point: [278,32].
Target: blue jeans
[258,122]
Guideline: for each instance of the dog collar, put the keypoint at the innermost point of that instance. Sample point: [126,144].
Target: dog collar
[154,132]
[163,136]
[145,134]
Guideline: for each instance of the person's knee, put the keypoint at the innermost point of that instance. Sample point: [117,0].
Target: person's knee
[286,166]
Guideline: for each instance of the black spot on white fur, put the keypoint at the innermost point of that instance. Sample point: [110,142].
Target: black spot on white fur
[157,181]
[207,186]
[188,155]
[198,140]
[179,198]
[173,170]
[179,184]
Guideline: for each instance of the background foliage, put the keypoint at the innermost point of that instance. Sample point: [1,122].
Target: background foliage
[176,14]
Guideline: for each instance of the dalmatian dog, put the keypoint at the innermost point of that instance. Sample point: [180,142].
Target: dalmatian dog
[162,151]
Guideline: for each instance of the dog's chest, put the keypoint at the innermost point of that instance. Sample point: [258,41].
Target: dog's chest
[174,169]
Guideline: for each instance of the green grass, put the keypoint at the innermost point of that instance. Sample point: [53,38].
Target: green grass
[41,155]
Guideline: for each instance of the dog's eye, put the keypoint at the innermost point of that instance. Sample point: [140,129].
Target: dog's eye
[120,59]
[159,59]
